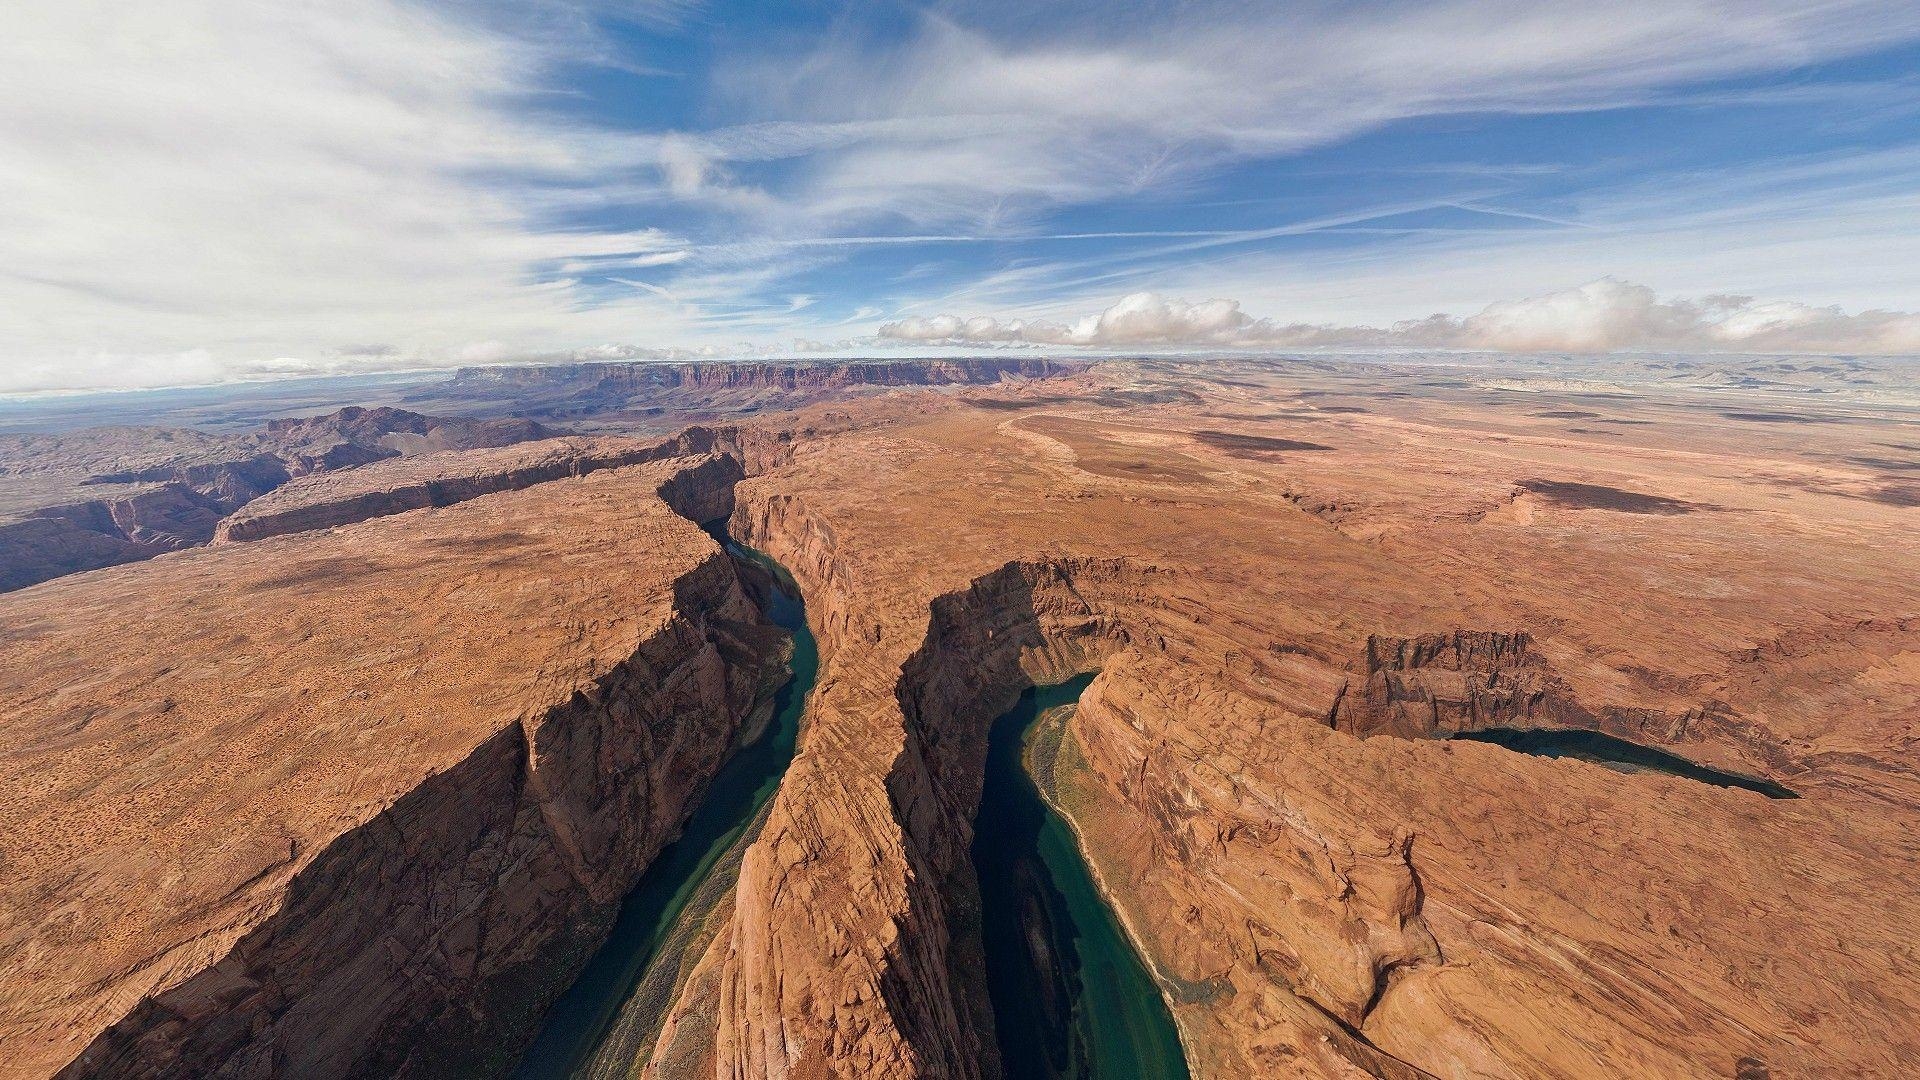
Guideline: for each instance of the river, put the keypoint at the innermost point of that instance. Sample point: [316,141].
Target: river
[1619,754]
[608,1019]
[1071,998]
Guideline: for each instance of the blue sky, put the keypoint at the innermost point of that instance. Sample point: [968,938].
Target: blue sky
[225,189]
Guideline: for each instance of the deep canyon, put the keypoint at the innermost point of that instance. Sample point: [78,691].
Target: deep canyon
[362,784]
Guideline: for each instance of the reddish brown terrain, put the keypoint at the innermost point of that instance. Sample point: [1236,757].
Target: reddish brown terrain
[357,798]
[75,500]
[98,497]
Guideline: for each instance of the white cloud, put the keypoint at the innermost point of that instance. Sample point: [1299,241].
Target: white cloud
[208,189]
[976,122]
[1140,319]
[191,188]
[1601,316]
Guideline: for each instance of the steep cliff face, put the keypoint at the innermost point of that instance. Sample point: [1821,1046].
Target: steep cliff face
[421,843]
[1314,902]
[445,479]
[423,942]
[1442,684]
[133,493]
[628,380]
[1025,624]
[899,989]
[1463,681]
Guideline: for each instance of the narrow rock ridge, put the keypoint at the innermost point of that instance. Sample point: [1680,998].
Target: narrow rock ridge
[388,488]
[1037,623]
[853,947]
[1025,624]
[924,1010]
[425,940]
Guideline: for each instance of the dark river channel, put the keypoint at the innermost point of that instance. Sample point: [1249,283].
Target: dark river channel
[1070,996]
[1618,754]
[610,1016]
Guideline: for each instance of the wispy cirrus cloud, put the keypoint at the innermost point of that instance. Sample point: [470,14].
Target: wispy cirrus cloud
[965,125]
[192,190]
[217,188]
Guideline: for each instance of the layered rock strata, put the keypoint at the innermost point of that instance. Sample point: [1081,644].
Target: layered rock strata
[101,497]
[1269,578]
[359,802]
[628,380]
[387,488]
[1315,902]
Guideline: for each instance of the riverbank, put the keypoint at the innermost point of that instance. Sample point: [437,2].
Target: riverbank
[606,1023]
[1050,742]
[1071,993]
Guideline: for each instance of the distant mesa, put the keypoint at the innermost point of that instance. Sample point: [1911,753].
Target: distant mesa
[104,496]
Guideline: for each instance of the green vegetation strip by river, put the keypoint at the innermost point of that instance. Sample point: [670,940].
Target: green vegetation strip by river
[605,1024]
[1071,998]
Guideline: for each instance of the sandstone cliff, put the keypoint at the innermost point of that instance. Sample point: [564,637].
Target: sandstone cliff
[1314,902]
[301,808]
[1290,595]
[100,497]
[444,479]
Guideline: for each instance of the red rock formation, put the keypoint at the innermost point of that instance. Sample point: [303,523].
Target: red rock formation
[342,823]
[124,494]
[647,377]
[1318,904]
[1314,902]
[388,488]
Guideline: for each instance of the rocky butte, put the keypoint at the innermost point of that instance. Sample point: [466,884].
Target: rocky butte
[357,791]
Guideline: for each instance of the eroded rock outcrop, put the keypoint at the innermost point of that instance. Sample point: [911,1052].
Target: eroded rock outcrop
[1314,903]
[100,497]
[1443,684]
[321,832]
[1465,681]
[444,479]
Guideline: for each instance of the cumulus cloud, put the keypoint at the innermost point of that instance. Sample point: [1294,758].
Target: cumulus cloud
[1141,319]
[1601,316]
[813,345]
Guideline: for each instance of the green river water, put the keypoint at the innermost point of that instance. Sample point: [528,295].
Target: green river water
[1071,998]
[608,1018]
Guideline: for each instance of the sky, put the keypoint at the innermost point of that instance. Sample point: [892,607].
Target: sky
[207,190]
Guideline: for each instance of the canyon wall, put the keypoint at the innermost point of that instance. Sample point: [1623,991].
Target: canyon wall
[1439,685]
[379,866]
[394,487]
[102,497]
[1322,883]
[1315,900]
[648,377]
